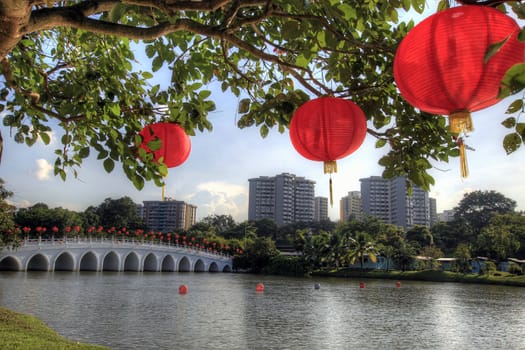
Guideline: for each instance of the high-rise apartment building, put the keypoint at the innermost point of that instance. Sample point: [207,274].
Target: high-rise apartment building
[433,212]
[446,215]
[388,200]
[320,209]
[285,198]
[350,207]
[169,215]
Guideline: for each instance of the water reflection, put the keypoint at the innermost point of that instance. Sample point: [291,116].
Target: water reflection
[223,311]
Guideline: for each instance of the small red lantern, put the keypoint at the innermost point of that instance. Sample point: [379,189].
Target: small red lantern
[445,64]
[326,129]
[175,143]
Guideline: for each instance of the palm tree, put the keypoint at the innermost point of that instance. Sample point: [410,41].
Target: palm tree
[404,255]
[360,247]
[388,252]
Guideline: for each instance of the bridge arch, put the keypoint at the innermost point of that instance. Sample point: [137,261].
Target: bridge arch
[168,264]
[213,267]
[150,263]
[37,262]
[199,266]
[10,263]
[64,262]
[227,268]
[132,262]
[88,262]
[111,262]
[184,264]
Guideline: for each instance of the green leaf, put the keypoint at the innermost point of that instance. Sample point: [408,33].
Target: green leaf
[44,136]
[493,49]
[115,109]
[147,75]
[62,174]
[109,165]
[84,152]
[154,145]
[290,30]
[443,5]
[302,61]
[163,170]
[509,122]
[204,94]
[513,81]
[521,35]
[104,154]
[520,129]
[380,143]
[511,142]
[138,182]
[264,131]
[244,105]
[515,107]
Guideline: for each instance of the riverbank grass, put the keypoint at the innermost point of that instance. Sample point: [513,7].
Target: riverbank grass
[499,278]
[19,331]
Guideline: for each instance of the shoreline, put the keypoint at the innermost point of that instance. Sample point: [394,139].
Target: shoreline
[428,276]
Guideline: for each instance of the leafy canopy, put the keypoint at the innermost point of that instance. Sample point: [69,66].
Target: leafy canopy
[71,66]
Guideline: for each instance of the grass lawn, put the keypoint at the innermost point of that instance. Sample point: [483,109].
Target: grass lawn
[19,331]
[502,278]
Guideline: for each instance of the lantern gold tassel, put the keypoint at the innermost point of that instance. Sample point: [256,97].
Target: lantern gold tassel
[460,122]
[330,166]
[463,158]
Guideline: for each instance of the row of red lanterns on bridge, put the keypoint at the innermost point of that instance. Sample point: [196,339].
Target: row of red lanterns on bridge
[444,66]
[176,238]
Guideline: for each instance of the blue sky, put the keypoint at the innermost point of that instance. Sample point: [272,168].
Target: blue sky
[215,176]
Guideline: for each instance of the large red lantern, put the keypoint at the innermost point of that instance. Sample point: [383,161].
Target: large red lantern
[175,144]
[326,129]
[445,65]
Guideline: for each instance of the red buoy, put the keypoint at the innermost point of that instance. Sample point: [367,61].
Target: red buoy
[183,289]
[361,284]
[259,287]
[398,284]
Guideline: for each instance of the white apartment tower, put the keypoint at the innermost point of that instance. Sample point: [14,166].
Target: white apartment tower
[388,200]
[169,215]
[285,198]
[350,207]
[320,209]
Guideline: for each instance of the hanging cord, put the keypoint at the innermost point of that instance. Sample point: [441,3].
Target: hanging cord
[164,188]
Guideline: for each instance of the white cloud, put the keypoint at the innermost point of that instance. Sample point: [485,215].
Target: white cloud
[44,169]
[221,198]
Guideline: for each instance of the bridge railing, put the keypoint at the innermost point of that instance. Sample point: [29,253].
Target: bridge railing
[94,242]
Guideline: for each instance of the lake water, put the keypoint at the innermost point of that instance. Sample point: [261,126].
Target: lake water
[224,311]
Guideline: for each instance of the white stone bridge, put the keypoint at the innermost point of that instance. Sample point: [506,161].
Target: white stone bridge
[110,255]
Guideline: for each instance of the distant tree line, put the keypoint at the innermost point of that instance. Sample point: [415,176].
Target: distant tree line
[485,224]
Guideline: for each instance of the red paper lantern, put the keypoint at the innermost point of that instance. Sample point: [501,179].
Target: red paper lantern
[175,143]
[444,64]
[326,129]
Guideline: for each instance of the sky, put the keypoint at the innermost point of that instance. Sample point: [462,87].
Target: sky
[215,176]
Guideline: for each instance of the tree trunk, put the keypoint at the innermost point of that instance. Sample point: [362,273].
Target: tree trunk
[14,14]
